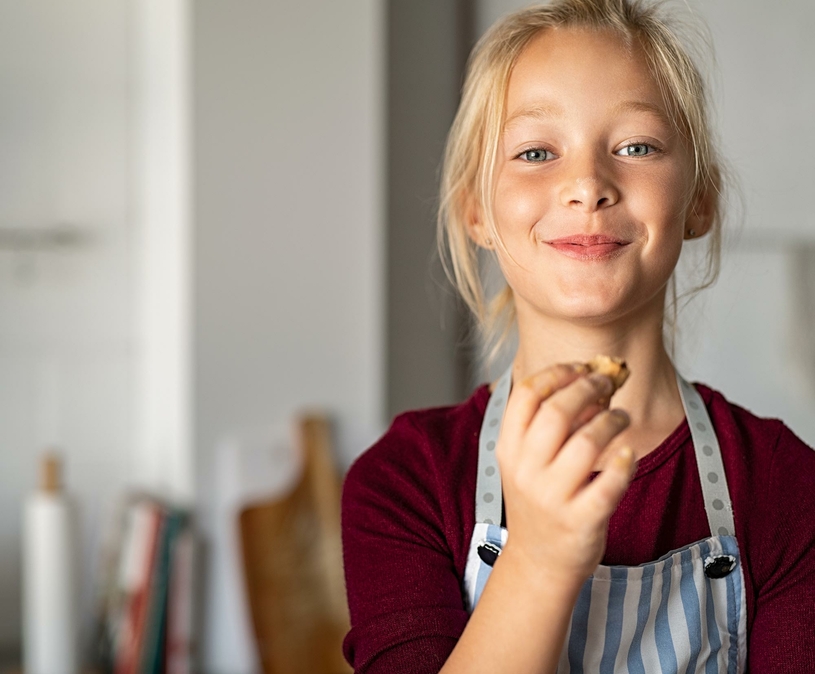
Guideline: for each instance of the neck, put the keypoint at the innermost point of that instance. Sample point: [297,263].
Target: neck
[650,395]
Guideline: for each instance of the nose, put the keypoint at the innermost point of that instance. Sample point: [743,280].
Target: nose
[588,187]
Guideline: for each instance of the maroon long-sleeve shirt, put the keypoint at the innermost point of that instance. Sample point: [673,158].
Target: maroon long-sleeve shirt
[408,514]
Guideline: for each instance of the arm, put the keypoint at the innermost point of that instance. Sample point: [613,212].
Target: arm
[783,634]
[558,522]
[404,595]
[520,623]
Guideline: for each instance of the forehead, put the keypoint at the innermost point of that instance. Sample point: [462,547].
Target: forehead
[564,72]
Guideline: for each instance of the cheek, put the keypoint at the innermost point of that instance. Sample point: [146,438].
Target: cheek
[520,202]
[663,203]
[662,210]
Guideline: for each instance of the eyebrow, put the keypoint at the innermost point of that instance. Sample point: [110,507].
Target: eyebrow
[642,106]
[549,111]
[553,111]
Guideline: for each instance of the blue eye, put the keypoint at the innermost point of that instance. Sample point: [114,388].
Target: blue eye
[636,150]
[536,155]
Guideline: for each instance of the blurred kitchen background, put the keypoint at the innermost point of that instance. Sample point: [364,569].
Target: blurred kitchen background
[216,214]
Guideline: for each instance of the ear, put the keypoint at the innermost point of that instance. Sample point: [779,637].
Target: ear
[700,214]
[476,229]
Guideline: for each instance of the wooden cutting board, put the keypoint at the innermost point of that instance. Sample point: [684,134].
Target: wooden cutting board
[292,555]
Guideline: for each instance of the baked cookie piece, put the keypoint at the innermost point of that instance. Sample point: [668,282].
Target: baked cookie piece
[615,368]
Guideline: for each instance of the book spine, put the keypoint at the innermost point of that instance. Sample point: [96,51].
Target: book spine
[180,606]
[138,570]
[152,651]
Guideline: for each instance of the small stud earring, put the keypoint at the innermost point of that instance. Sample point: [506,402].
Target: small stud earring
[691,233]
[488,241]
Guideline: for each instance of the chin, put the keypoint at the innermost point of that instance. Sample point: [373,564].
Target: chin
[583,303]
[591,318]
[591,308]
[587,314]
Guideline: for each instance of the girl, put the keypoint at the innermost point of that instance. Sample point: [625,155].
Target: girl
[539,530]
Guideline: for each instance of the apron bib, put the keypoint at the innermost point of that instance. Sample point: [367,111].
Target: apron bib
[684,612]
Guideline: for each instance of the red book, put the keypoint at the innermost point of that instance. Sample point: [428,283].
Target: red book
[146,520]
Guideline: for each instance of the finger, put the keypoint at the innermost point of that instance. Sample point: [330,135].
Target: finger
[575,461]
[598,500]
[554,420]
[588,414]
[553,378]
[527,396]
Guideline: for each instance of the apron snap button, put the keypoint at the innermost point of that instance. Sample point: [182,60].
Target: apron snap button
[719,566]
[488,553]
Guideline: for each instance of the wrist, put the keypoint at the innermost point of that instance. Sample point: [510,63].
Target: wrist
[559,583]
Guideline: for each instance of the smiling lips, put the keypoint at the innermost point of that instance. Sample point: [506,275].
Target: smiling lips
[588,246]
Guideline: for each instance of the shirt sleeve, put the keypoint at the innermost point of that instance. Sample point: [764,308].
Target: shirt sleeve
[783,634]
[406,604]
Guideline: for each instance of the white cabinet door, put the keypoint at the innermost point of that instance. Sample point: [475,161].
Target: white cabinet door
[65,310]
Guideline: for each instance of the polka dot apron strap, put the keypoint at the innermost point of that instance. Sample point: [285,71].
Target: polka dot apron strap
[488,499]
[709,462]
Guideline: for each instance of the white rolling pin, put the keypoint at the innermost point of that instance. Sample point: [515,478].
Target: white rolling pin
[50,619]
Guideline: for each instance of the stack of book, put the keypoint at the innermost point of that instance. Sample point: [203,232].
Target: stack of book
[146,620]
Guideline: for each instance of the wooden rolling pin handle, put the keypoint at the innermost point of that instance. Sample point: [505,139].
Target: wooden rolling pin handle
[51,473]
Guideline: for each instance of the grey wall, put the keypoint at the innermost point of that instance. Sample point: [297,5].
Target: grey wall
[428,352]
[289,242]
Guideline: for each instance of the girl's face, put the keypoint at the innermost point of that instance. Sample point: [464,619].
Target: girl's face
[592,181]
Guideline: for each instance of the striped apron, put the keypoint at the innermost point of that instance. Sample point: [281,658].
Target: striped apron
[684,612]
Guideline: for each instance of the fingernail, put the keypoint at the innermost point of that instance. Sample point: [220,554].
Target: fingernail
[602,382]
[622,415]
[624,457]
[580,368]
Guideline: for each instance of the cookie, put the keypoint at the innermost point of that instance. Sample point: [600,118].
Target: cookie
[614,368]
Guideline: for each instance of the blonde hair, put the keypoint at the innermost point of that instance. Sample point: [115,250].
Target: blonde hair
[472,144]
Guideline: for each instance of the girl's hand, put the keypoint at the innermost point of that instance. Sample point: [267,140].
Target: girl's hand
[554,429]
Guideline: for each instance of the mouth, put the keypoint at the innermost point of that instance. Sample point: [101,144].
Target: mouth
[588,246]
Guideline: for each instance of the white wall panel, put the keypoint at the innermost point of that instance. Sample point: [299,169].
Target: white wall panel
[742,337]
[65,311]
